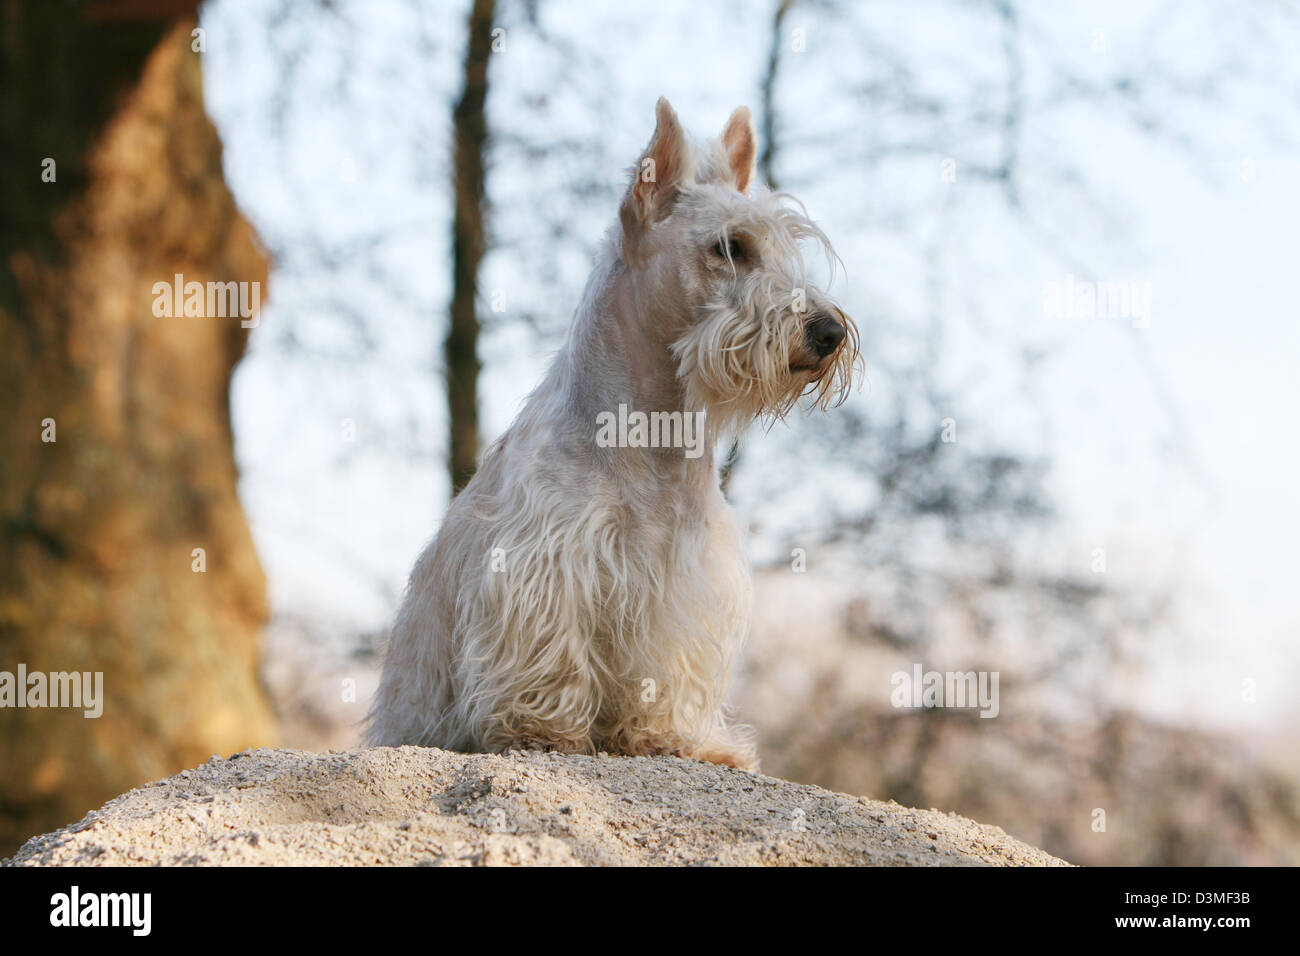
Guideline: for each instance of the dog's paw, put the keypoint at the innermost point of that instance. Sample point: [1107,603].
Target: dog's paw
[738,759]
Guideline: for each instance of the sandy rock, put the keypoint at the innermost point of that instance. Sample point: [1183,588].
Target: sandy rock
[417,806]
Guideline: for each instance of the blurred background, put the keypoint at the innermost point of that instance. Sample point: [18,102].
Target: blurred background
[1097,504]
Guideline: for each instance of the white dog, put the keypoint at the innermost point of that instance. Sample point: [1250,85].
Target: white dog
[588,590]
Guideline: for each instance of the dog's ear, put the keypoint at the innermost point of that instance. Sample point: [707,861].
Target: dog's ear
[739,141]
[658,174]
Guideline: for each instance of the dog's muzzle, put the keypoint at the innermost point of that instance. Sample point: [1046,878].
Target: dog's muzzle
[823,334]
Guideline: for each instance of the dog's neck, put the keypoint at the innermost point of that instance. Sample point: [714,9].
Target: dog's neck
[616,354]
[649,370]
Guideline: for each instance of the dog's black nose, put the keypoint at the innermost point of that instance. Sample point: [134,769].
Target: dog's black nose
[824,334]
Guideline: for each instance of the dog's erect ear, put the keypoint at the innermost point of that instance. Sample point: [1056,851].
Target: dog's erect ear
[739,141]
[660,170]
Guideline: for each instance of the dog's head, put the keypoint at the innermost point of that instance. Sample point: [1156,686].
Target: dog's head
[720,257]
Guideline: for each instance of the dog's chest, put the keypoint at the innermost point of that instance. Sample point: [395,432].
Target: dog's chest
[669,549]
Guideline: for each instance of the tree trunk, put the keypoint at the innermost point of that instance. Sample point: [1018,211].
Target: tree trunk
[116,457]
[766,164]
[460,353]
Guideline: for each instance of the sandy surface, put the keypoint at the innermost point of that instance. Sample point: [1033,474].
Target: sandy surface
[414,806]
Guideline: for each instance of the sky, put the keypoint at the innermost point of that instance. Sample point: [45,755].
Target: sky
[1171,441]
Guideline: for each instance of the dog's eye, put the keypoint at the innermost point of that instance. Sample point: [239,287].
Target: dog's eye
[731,249]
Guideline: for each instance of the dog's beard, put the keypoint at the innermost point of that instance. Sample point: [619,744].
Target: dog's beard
[747,364]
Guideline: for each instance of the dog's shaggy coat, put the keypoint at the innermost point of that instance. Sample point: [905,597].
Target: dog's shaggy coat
[585,598]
